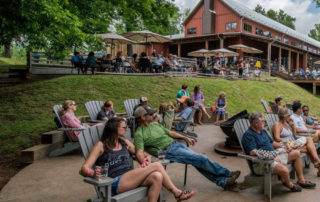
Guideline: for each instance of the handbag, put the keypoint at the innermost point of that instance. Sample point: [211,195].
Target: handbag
[213,109]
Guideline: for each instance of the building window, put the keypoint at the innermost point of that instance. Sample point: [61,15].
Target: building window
[305,47]
[299,45]
[293,43]
[285,40]
[259,31]
[278,38]
[192,31]
[231,26]
[247,27]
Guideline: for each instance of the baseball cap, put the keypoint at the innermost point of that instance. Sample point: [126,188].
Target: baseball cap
[144,110]
[143,99]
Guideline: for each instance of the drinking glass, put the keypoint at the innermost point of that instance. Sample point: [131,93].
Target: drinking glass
[104,172]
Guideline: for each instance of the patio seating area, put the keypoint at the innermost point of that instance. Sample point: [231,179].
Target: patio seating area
[57,179]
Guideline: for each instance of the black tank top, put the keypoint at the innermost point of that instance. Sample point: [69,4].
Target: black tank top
[119,162]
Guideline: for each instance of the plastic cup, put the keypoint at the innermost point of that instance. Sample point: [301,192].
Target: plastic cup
[104,172]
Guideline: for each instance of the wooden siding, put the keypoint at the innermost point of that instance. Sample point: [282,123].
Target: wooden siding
[195,22]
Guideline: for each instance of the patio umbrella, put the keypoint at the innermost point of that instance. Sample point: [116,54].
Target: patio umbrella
[245,48]
[201,53]
[222,52]
[317,62]
[146,36]
[113,38]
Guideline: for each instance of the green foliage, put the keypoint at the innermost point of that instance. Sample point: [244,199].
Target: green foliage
[315,33]
[280,16]
[26,110]
[317,2]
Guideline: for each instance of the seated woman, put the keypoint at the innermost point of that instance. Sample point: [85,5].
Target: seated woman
[115,151]
[69,120]
[198,99]
[221,105]
[285,131]
[91,62]
[106,112]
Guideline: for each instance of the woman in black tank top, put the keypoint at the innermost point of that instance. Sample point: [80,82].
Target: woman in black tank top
[114,150]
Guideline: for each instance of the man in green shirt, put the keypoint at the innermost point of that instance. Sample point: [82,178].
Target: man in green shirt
[150,135]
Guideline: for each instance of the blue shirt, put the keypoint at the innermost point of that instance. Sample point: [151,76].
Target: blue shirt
[309,120]
[159,61]
[185,113]
[252,140]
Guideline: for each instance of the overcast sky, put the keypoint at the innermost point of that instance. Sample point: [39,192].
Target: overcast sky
[305,11]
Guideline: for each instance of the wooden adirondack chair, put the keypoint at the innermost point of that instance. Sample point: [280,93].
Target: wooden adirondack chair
[70,145]
[129,104]
[93,108]
[188,123]
[241,126]
[265,106]
[87,140]
[271,119]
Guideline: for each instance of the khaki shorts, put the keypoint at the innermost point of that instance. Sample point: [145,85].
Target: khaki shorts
[258,168]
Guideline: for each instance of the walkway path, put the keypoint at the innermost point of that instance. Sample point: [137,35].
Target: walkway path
[57,179]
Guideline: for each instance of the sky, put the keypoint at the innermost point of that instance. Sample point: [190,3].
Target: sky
[305,11]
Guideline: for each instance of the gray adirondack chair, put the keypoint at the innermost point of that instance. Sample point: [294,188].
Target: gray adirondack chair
[188,123]
[129,104]
[265,106]
[274,107]
[93,108]
[271,119]
[70,145]
[241,126]
[87,140]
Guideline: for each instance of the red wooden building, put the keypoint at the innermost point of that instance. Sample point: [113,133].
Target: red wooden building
[215,24]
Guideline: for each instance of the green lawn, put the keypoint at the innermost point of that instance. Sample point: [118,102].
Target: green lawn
[26,110]
[11,63]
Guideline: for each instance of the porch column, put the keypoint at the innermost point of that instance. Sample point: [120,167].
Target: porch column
[179,49]
[305,61]
[207,45]
[289,61]
[279,57]
[221,43]
[269,57]
[297,61]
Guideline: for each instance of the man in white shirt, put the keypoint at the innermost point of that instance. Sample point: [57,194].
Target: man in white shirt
[301,126]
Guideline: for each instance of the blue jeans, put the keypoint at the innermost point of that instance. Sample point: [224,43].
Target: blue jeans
[180,153]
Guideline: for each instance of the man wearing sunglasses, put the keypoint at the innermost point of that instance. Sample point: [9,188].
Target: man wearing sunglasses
[150,135]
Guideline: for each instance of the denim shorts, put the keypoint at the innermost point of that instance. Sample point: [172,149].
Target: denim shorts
[220,112]
[114,185]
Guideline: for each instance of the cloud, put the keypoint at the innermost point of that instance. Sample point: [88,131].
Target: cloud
[305,19]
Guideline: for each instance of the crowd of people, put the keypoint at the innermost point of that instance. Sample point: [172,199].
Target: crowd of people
[155,132]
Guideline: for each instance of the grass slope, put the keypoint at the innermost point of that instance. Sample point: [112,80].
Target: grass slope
[26,110]
[11,63]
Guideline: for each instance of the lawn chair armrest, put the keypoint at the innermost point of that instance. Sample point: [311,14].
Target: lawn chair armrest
[254,159]
[99,183]
[304,134]
[96,121]
[182,121]
[71,129]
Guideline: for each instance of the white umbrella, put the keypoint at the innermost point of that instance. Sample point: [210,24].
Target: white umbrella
[222,52]
[201,53]
[245,48]
[113,38]
[317,62]
[146,36]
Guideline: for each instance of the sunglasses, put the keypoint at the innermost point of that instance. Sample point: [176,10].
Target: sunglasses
[124,127]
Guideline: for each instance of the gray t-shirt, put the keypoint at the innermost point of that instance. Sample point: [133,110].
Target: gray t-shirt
[102,114]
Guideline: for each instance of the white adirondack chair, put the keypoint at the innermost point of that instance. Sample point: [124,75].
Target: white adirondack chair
[129,104]
[87,140]
[93,108]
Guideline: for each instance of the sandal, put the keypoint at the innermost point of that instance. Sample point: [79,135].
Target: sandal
[317,165]
[295,188]
[307,185]
[187,193]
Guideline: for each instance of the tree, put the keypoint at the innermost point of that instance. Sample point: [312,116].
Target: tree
[58,25]
[280,16]
[315,33]
[317,2]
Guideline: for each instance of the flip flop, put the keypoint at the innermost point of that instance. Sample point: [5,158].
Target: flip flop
[188,194]
[307,185]
[317,165]
[295,188]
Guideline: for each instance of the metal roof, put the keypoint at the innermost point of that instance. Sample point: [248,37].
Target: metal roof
[246,12]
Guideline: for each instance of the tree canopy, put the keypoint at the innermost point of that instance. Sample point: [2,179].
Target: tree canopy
[279,16]
[58,25]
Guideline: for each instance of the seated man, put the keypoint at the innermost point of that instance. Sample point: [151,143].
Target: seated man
[256,138]
[184,114]
[158,63]
[301,126]
[150,135]
[143,102]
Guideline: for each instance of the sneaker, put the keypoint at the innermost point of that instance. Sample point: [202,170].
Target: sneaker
[231,181]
